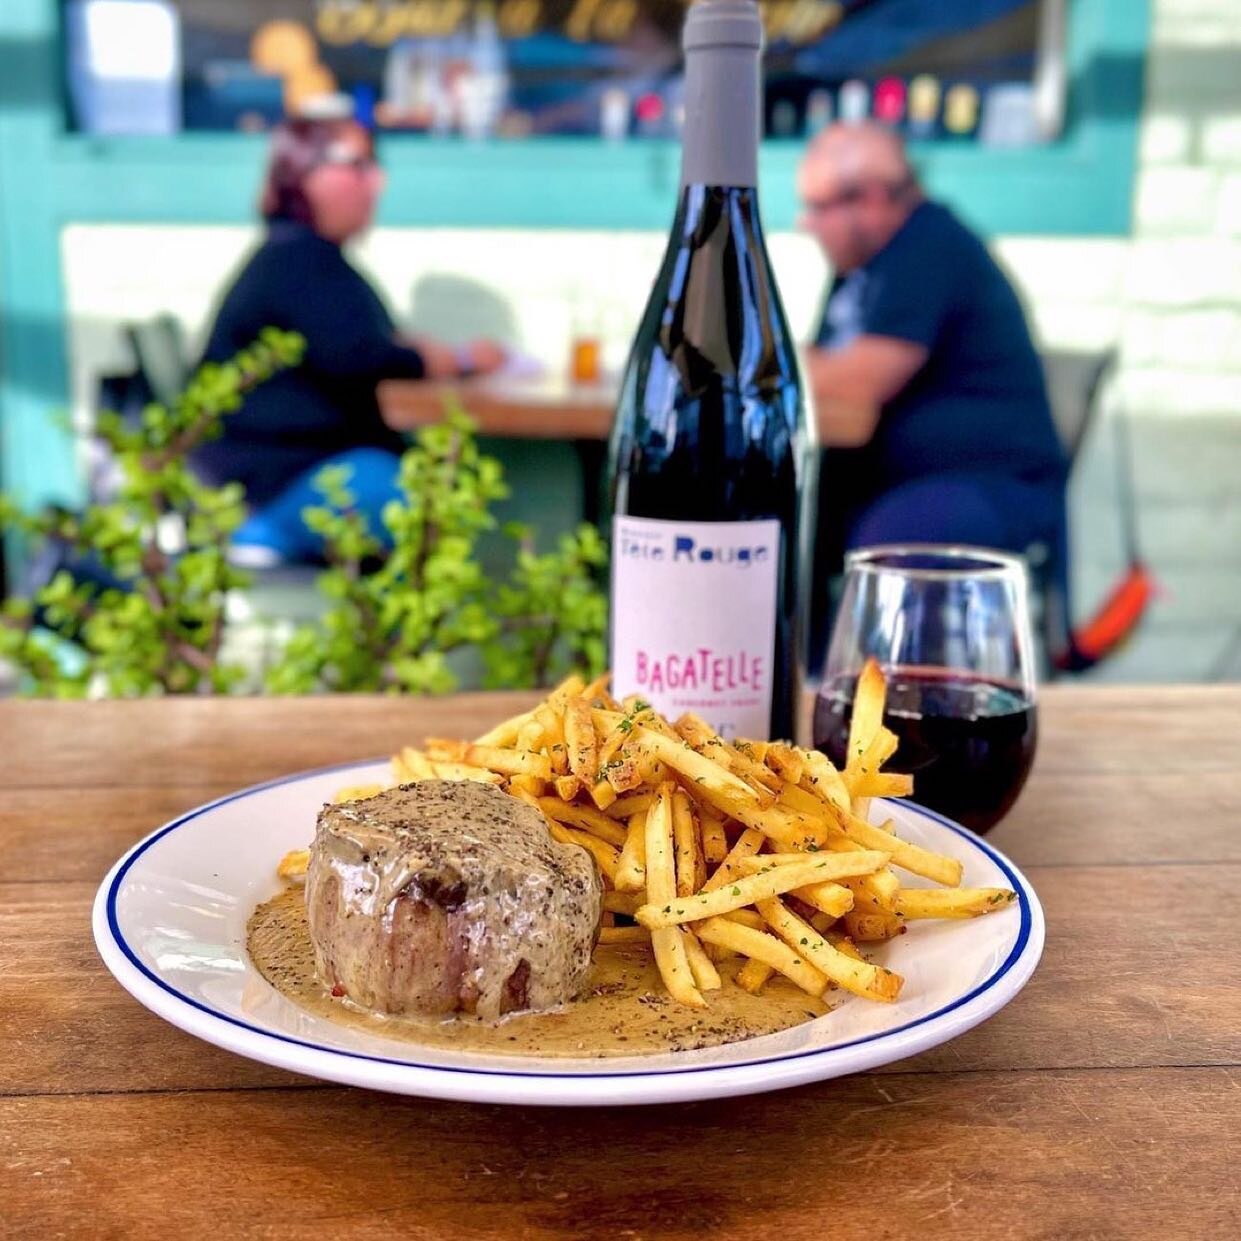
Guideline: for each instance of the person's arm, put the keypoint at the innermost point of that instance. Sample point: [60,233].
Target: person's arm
[851,385]
[477,357]
[907,300]
[348,334]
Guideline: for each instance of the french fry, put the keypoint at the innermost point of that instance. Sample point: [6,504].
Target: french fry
[567,787]
[864,767]
[509,762]
[579,735]
[588,820]
[842,943]
[760,946]
[753,975]
[823,780]
[874,893]
[714,841]
[830,865]
[465,771]
[505,733]
[356,792]
[747,844]
[552,723]
[624,807]
[871,981]
[571,687]
[624,935]
[411,765]
[598,688]
[710,744]
[773,881]
[687,762]
[606,857]
[602,794]
[669,944]
[951,902]
[907,856]
[747,917]
[448,751]
[872,927]
[529,783]
[631,869]
[706,976]
[673,961]
[757,750]
[623,774]
[661,884]
[793,797]
[292,867]
[623,902]
[685,844]
[530,736]
[831,899]
[868,701]
[786,762]
[883,784]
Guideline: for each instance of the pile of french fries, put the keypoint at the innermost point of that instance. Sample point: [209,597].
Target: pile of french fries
[711,849]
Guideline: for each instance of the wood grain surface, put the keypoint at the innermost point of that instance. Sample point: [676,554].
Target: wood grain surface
[544,408]
[1105,1101]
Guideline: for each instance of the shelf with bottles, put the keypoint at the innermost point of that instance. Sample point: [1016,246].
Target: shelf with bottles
[959,70]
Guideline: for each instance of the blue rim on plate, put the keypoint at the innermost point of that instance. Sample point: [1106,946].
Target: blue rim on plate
[113,888]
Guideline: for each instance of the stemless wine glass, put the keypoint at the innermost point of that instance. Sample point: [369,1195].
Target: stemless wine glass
[950,626]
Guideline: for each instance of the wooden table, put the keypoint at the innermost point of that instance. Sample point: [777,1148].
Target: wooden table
[549,407]
[1105,1101]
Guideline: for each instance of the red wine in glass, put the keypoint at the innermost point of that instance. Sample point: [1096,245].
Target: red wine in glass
[968,741]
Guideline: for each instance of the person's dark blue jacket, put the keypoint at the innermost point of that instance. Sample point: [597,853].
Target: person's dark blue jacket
[979,404]
[301,282]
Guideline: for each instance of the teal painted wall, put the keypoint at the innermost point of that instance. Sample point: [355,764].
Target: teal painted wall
[1081,185]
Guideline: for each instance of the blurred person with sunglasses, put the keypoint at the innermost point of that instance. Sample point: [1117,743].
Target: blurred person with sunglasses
[321,189]
[929,394]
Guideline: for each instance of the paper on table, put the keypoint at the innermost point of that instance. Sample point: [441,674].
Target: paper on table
[519,365]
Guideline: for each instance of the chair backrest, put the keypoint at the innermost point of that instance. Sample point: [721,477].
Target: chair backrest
[1073,384]
[159,349]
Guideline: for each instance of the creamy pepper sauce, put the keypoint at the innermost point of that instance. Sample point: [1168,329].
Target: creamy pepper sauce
[624,1010]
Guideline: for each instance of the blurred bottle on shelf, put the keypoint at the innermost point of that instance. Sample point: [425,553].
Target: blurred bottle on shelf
[483,87]
[614,114]
[890,95]
[924,96]
[819,109]
[854,101]
[961,110]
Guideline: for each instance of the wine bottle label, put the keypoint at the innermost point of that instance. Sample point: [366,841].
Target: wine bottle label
[694,618]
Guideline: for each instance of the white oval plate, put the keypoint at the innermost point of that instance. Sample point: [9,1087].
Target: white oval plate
[170,918]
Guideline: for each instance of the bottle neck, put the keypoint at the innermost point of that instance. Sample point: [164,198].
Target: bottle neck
[720,144]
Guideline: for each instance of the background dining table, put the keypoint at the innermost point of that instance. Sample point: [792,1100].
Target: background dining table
[1104,1101]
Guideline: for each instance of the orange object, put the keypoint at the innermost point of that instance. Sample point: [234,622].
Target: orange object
[1114,622]
[585,363]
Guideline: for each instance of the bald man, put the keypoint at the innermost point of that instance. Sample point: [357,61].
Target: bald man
[928,392]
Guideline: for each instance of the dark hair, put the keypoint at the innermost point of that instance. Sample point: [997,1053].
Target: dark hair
[297,148]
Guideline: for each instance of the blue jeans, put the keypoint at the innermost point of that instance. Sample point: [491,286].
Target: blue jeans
[278,525]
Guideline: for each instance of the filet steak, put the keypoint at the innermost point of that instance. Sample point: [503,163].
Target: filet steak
[447,896]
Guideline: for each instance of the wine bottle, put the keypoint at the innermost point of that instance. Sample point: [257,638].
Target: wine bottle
[710,449]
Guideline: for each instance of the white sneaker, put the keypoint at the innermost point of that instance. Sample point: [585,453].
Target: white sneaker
[254,556]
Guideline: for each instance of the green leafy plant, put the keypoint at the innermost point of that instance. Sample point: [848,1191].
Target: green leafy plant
[160,627]
[395,616]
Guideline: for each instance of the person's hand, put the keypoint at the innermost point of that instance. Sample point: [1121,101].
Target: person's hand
[485,356]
